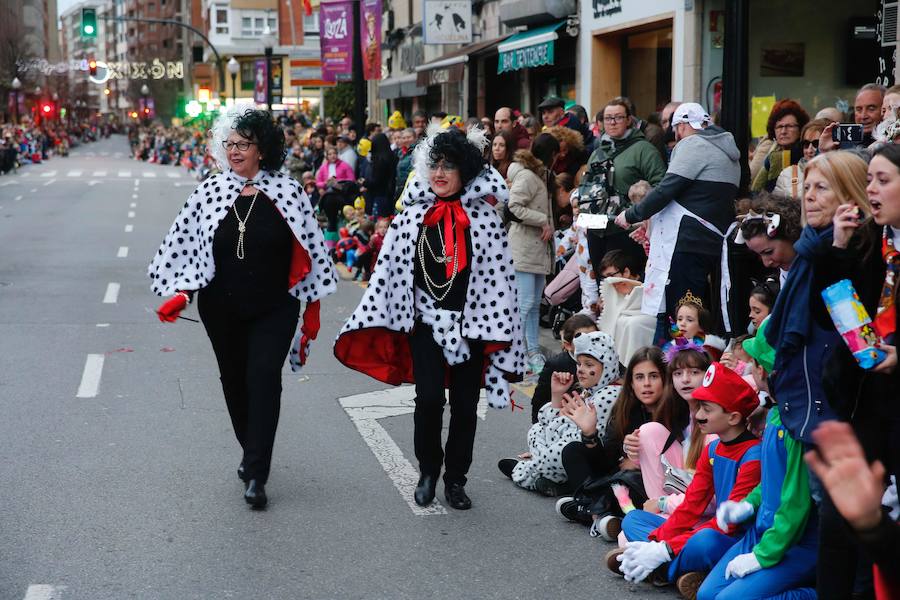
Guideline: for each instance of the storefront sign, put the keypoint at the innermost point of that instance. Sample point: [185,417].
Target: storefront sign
[370,37]
[260,82]
[530,56]
[605,8]
[447,21]
[336,35]
[451,74]
[154,69]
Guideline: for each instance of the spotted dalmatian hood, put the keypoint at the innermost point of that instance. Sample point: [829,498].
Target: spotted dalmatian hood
[601,347]
[374,340]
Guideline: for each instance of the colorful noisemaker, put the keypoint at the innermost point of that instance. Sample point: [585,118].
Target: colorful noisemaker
[853,323]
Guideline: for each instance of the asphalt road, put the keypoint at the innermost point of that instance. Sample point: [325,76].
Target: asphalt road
[123,485]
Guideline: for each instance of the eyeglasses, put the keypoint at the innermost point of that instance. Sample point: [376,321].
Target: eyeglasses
[786,126]
[444,165]
[813,143]
[613,274]
[614,119]
[242,146]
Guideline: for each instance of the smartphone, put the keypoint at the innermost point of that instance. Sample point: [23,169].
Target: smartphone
[847,132]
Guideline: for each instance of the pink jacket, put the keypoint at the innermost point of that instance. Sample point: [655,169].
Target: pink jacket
[342,171]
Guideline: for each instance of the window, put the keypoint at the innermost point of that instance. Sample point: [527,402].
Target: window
[247,75]
[253,23]
[311,23]
[221,20]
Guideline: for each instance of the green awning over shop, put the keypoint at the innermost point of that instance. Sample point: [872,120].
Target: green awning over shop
[532,48]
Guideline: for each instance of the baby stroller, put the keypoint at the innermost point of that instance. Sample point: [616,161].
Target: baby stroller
[562,297]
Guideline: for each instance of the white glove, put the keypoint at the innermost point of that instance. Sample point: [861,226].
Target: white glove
[742,565]
[642,558]
[730,512]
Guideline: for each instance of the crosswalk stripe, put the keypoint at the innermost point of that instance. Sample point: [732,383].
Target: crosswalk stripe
[74,173]
[90,384]
[99,173]
[112,293]
[174,175]
[49,174]
[123,252]
[129,228]
[124,173]
[42,592]
[149,174]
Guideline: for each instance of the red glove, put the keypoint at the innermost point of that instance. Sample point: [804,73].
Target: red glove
[170,309]
[310,330]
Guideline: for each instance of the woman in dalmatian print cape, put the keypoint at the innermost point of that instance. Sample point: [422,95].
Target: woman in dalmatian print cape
[440,310]
[553,431]
[248,242]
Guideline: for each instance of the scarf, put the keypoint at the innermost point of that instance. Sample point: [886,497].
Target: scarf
[885,321]
[790,324]
[449,212]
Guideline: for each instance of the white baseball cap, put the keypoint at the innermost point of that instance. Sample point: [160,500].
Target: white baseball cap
[691,113]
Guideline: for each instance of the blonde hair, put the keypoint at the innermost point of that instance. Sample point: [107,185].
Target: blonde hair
[639,190]
[845,172]
[571,137]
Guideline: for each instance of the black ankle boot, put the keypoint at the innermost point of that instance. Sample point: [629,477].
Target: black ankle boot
[255,495]
[425,490]
[456,496]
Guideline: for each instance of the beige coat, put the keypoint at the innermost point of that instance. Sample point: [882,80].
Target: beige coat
[530,203]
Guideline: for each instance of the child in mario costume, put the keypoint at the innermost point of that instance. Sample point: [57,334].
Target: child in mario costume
[728,468]
[776,558]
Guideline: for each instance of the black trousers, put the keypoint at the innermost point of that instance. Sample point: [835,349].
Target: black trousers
[581,463]
[251,352]
[689,271]
[430,370]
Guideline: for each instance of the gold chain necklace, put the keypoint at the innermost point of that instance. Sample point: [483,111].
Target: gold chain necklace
[430,284]
[242,225]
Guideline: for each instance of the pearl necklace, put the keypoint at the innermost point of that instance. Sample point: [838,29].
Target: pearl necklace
[433,288]
[242,225]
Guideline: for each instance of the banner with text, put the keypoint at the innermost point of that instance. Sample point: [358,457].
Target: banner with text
[336,35]
[260,81]
[370,37]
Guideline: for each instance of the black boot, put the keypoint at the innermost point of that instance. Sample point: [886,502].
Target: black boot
[255,495]
[456,496]
[425,490]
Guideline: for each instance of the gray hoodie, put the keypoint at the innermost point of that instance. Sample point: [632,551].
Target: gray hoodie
[703,176]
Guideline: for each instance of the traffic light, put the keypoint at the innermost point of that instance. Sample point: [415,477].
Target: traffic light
[92,67]
[88,23]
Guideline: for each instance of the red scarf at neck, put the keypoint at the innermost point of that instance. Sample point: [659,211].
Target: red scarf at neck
[455,221]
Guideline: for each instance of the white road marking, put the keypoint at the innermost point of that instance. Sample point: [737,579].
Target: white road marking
[74,173]
[124,173]
[123,252]
[129,228]
[18,198]
[174,175]
[181,183]
[134,196]
[10,182]
[137,182]
[99,173]
[49,182]
[102,324]
[133,204]
[92,183]
[149,174]
[130,214]
[25,174]
[49,174]
[365,410]
[112,293]
[104,154]
[33,190]
[90,378]
[43,592]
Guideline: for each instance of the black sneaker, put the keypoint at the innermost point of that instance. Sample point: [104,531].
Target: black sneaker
[567,508]
[506,466]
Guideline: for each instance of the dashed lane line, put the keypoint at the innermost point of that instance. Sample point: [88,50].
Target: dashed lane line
[90,377]
[18,198]
[124,173]
[74,173]
[112,293]
[123,252]
[130,214]
[49,182]
[49,174]
[129,228]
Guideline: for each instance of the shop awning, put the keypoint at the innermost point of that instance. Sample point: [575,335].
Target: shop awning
[450,68]
[403,86]
[533,48]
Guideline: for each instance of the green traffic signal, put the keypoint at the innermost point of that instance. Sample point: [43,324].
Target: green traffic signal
[88,23]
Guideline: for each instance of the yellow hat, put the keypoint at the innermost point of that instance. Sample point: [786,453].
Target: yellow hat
[359,203]
[454,120]
[396,121]
[363,147]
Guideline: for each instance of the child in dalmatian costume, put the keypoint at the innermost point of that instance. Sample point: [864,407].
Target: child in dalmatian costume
[247,244]
[553,432]
[440,309]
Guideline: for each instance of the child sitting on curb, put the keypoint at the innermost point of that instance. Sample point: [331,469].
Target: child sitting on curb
[597,368]
[728,468]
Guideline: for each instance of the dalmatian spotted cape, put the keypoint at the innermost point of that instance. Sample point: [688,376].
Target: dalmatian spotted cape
[374,340]
[553,431]
[184,261]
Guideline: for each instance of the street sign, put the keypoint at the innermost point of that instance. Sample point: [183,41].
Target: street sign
[447,21]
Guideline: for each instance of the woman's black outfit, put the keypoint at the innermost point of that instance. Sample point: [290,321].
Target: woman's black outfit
[868,401]
[250,319]
[380,180]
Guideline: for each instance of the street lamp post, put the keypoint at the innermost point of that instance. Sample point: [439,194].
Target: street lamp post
[233,68]
[268,40]
[16,85]
[145,91]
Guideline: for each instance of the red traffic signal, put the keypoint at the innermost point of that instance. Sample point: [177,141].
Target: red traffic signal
[92,67]
[47,108]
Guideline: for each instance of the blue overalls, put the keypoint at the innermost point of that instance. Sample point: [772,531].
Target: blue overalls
[703,550]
